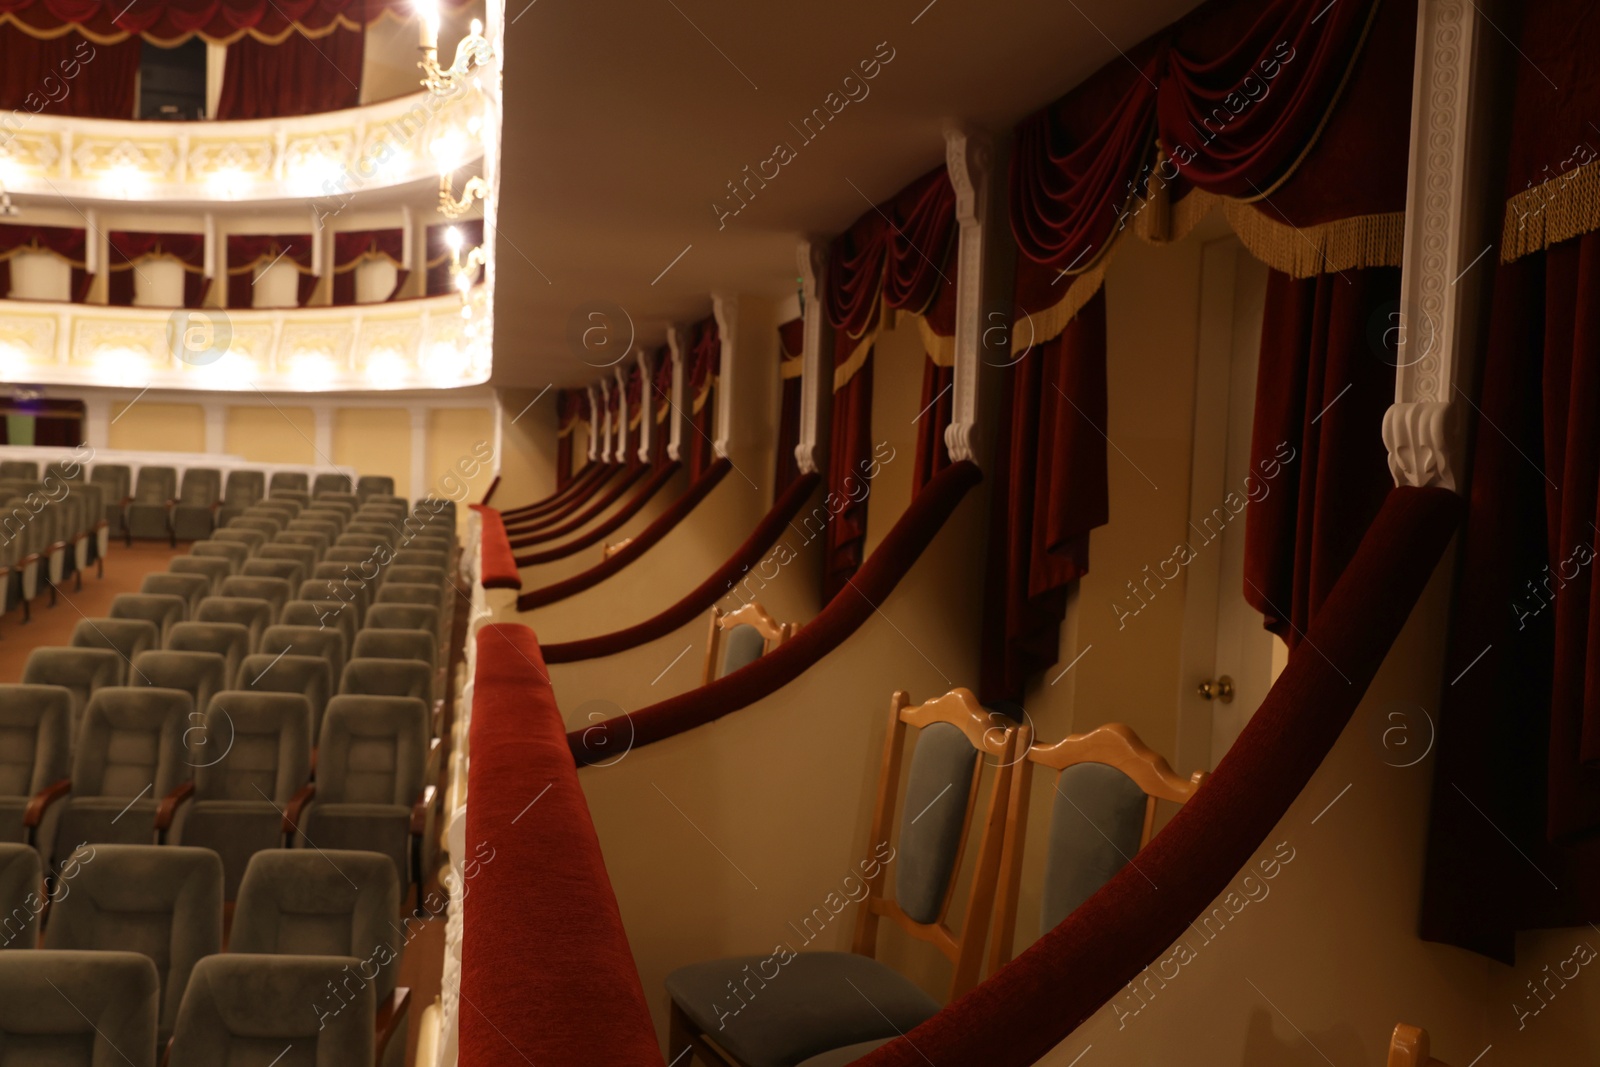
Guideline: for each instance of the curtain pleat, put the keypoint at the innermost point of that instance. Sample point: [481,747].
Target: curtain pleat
[68,75]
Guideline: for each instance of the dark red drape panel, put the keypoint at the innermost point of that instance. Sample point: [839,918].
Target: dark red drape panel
[849,463]
[298,76]
[248,251]
[353,247]
[439,280]
[938,402]
[1049,491]
[791,343]
[128,249]
[706,362]
[170,22]
[67,75]
[567,405]
[70,244]
[1323,383]
[1518,733]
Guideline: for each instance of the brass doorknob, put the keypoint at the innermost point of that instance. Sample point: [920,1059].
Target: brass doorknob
[1217,689]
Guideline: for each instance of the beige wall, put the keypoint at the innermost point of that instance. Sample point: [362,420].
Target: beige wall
[460,457]
[528,446]
[145,425]
[281,434]
[375,441]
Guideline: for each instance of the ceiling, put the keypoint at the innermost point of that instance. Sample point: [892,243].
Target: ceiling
[625,120]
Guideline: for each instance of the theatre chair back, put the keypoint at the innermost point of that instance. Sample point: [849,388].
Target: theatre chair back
[1408,1047]
[740,637]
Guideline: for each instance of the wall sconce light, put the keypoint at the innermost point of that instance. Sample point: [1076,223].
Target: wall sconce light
[473,51]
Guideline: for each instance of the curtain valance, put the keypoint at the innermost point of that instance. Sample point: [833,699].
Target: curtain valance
[128,250]
[299,75]
[171,22]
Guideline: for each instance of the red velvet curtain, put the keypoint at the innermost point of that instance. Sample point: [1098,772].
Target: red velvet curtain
[705,354]
[170,22]
[352,248]
[567,406]
[938,393]
[897,255]
[299,75]
[439,280]
[128,249]
[56,423]
[70,244]
[67,75]
[248,251]
[791,346]
[1048,491]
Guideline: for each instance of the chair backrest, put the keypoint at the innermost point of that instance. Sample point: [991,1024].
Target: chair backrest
[79,1009]
[22,895]
[1106,786]
[160,608]
[132,739]
[282,508]
[267,527]
[254,614]
[245,537]
[200,674]
[267,750]
[19,470]
[403,617]
[289,481]
[740,637]
[355,594]
[422,557]
[232,551]
[126,637]
[388,678]
[201,485]
[244,488]
[155,485]
[372,750]
[955,738]
[230,640]
[327,643]
[317,542]
[212,568]
[161,901]
[191,587]
[332,903]
[80,671]
[329,516]
[308,676]
[274,591]
[262,566]
[410,574]
[286,547]
[326,484]
[1409,1046]
[371,485]
[324,614]
[412,645]
[374,527]
[116,476]
[35,738]
[239,1004]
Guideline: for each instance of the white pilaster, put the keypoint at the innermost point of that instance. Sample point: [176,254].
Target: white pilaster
[725,306]
[675,414]
[594,424]
[216,415]
[97,421]
[604,422]
[620,449]
[419,453]
[647,405]
[970,160]
[324,433]
[816,363]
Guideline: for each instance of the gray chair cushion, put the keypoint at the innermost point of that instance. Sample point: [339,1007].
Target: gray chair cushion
[230,640]
[191,587]
[126,637]
[414,575]
[253,614]
[330,484]
[937,785]
[79,1009]
[274,591]
[249,1008]
[421,557]
[242,536]
[336,903]
[371,485]
[288,481]
[741,646]
[158,608]
[212,568]
[234,552]
[388,678]
[305,676]
[371,750]
[317,589]
[79,670]
[285,547]
[162,902]
[21,895]
[814,1002]
[403,617]
[397,644]
[1095,827]
[266,567]
[199,674]
[839,1057]
[326,643]
[397,592]
[323,615]
[131,753]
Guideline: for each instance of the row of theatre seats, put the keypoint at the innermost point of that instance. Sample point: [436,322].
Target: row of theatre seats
[52,527]
[257,730]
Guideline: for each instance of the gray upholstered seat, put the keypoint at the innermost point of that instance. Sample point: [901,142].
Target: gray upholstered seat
[21,895]
[357,595]
[235,552]
[241,490]
[330,484]
[371,485]
[212,568]
[1095,826]
[131,754]
[253,614]
[80,671]
[298,497]
[248,1008]
[410,574]
[742,645]
[150,512]
[242,790]
[388,678]
[230,640]
[35,753]
[325,614]
[347,500]
[397,644]
[326,642]
[307,676]
[286,547]
[268,526]
[325,516]
[375,528]
[194,516]
[422,557]
[190,587]
[403,617]
[126,637]
[839,1057]
[244,536]
[368,542]
[115,479]
[267,567]
[398,592]
[287,481]
[159,608]
[274,591]
[824,1000]
[19,470]
[281,508]
[161,902]
[370,762]
[78,1009]
[364,564]
[200,674]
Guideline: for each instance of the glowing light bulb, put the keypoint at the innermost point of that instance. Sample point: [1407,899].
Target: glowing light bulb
[452,238]
[388,369]
[312,369]
[227,182]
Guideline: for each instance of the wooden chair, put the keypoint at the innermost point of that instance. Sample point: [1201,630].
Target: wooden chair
[820,1001]
[728,648]
[1409,1048]
[1111,780]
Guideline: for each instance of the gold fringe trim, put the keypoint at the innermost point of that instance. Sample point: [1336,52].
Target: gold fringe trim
[370,253]
[1542,215]
[254,263]
[633,422]
[700,398]
[843,372]
[340,22]
[129,264]
[81,264]
[791,368]
[1038,327]
[941,350]
[1304,252]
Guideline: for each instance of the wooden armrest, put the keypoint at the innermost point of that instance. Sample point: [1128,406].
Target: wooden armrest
[168,808]
[391,1020]
[34,814]
[296,808]
[419,810]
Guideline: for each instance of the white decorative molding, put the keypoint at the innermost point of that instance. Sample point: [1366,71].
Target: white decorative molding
[646,405]
[606,433]
[725,306]
[675,407]
[1420,430]
[409,344]
[594,424]
[816,373]
[419,452]
[328,156]
[970,160]
[620,448]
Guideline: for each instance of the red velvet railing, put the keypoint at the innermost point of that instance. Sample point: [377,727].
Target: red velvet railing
[498,568]
[580,486]
[844,614]
[703,595]
[561,525]
[658,478]
[547,976]
[638,546]
[1020,1013]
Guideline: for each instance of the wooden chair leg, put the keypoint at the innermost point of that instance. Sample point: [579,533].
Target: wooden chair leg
[680,1036]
